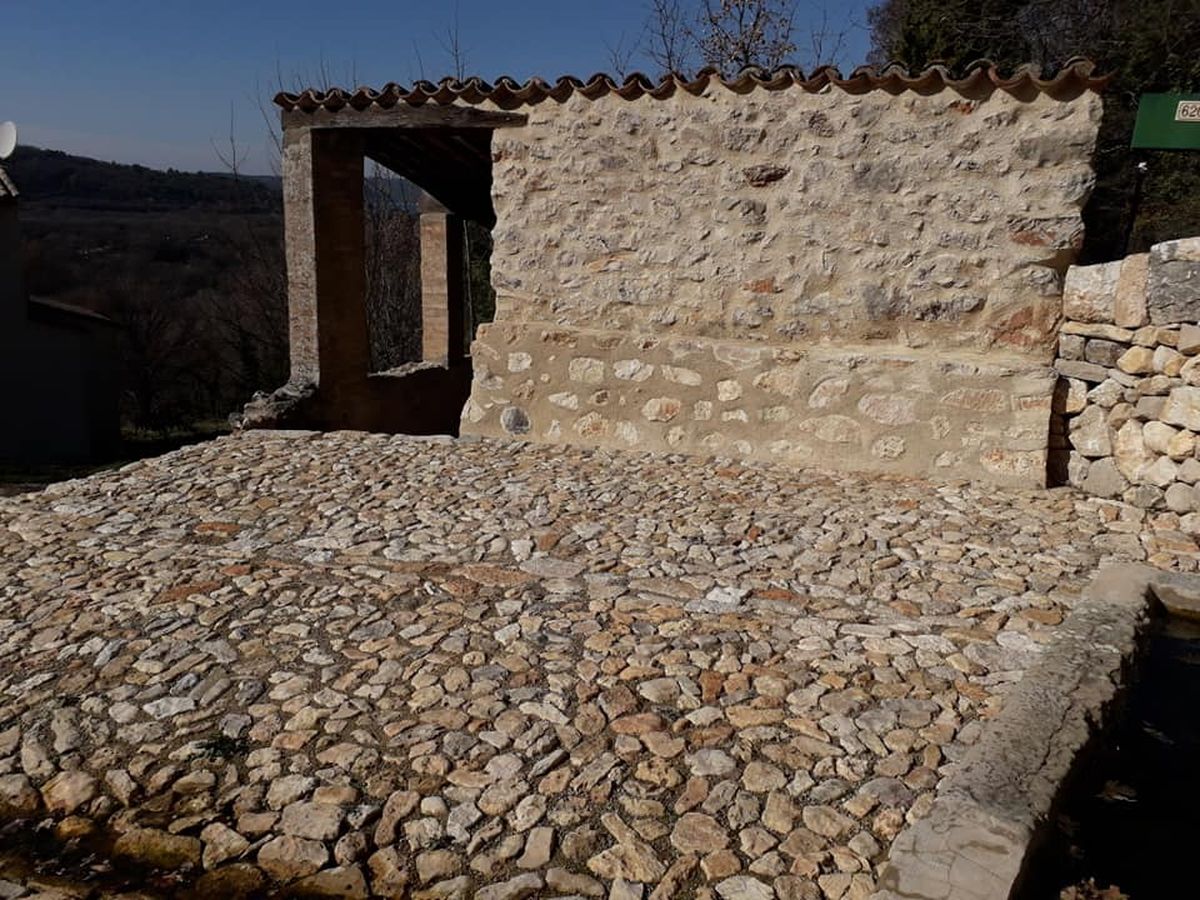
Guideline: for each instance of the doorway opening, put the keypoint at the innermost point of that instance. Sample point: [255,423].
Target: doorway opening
[388,214]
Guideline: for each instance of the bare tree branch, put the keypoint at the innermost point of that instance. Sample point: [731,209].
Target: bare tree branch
[670,42]
[420,73]
[620,55]
[232,158]
[825,44]
[451,42]
[734,34]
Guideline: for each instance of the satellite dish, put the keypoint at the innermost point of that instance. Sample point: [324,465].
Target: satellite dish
[8,139]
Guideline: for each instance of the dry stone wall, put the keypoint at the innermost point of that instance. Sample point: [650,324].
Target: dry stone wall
[866,281]
[1128,408]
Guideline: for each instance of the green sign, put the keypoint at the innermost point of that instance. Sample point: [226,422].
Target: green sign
[1168,122]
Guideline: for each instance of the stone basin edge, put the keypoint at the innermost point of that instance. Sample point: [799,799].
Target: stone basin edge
[989,816]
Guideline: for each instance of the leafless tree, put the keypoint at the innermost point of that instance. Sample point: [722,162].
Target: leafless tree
[451,42]
[249,317]
[260,280]
[157,345]
[669,37]
[321,78]
[826,44]
[620,55]
[734,34]
[731,34]
[393,268]
[233,156]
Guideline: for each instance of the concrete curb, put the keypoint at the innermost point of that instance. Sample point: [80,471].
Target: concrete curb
[974,842]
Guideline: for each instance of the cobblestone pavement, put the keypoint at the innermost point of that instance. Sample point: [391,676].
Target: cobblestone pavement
[354,664]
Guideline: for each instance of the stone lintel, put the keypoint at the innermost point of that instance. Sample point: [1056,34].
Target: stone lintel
[429,115]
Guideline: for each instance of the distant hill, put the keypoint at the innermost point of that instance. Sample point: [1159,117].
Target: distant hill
[191,265]
[57,179]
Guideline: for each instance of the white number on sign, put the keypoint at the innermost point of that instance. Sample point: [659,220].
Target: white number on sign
[1188,111]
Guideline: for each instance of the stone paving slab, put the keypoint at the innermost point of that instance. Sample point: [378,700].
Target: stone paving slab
[348,664]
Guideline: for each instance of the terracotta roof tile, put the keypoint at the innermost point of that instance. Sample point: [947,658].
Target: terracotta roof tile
[981,77]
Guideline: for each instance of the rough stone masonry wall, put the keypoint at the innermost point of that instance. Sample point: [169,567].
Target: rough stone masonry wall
[865,281]
[1129,353]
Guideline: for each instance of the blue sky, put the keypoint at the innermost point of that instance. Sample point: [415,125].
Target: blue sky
[157,81]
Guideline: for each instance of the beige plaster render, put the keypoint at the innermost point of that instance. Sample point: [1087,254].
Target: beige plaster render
[782,216]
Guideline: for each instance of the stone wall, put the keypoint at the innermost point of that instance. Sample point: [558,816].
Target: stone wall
[867,281]
[869,406]
[1128,409]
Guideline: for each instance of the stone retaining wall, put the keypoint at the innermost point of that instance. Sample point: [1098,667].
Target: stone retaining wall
[700,272]
[1128,409]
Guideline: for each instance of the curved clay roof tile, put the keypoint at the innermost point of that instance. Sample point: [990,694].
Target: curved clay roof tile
[981,76]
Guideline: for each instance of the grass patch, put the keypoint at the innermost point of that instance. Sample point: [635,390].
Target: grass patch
[221,746]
